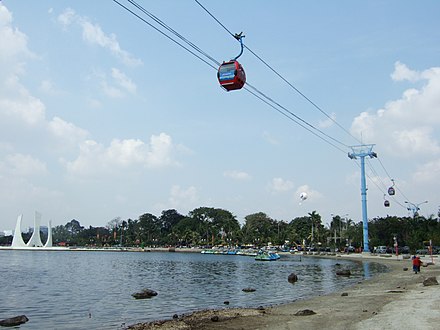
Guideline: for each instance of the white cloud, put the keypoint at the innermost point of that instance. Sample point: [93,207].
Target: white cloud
[119,85]
[123,81]
[93,34]
[402,72]
[428,173]
[13,42]
[237,175]
[19,104]
[269,138]
[327,122]
[22,165]
[96,159]
[183,198]
[406,126]
[67,132]
[280,185]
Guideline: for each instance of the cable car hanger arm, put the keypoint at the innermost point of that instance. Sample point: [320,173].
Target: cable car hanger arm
[239,37]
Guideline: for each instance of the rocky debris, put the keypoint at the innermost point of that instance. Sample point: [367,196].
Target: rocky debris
[144,294]
[343,272]
[292,278]
[226,302]
[249,290]
[395,291]
[175,316]
[344,294]
[196,320]
[405,269]
[14,321]
[430,281]
[305,312]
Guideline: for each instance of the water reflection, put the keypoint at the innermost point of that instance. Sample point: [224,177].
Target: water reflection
[79,290]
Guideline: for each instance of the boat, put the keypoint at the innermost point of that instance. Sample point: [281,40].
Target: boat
[267,256]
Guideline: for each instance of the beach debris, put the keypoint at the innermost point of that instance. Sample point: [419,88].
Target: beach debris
[249,290]
[260,308]
[305,312]
[405,269]
[344,294]
[292,278]
[395,291]
[226,302]
[175,316]
[365,310]
[430,281]
[14,321]
[145,293]
[214,318]
[343,272]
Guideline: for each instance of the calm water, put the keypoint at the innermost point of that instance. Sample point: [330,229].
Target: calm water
[92,290]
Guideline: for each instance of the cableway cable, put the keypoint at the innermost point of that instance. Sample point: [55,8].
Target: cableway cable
[279,75]
[311,128]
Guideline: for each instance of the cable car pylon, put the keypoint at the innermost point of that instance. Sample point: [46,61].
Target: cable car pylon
[362,151]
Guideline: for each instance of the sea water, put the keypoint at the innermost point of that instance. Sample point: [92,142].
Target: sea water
[92,290]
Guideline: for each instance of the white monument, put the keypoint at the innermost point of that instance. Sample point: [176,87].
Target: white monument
[35,240]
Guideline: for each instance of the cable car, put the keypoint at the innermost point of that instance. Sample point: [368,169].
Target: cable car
[386,203]
[231,75]
[391,190]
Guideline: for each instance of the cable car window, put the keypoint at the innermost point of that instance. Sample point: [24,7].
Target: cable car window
[227,72]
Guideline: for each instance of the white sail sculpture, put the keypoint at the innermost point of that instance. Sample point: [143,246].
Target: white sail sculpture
[49,235]
[35,240]
[17,240]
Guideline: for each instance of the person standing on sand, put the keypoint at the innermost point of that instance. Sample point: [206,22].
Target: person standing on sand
[416,264]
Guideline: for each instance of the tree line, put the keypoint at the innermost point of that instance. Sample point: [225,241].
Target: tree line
[207,226]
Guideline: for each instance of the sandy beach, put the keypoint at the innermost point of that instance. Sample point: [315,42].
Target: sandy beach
[397,299]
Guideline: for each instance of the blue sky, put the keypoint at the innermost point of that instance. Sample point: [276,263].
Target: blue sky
[103,117]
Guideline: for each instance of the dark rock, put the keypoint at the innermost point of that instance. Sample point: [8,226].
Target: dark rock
[249,290]
[146,293]
[405,269]
[343,272]
[14,321]
[260,308]
[175,316]
[344,294]
[365,310]
[292,278]
[214,318]
[430,281]
[305,312]
[226,302]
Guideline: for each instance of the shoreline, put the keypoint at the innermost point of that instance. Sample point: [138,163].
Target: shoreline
[392,300]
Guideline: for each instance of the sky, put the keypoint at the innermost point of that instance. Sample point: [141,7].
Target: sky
[102,117]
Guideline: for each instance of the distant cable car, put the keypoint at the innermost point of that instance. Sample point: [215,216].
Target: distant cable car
[231,74]
[391,190]
[386,202]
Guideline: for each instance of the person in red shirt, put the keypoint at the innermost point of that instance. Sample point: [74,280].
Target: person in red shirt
[416,262]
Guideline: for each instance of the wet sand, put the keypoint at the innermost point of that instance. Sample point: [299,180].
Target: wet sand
[393,300]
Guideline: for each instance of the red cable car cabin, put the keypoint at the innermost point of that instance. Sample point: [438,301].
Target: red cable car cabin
[231,75]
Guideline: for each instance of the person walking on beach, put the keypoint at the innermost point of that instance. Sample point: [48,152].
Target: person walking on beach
[416,264]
